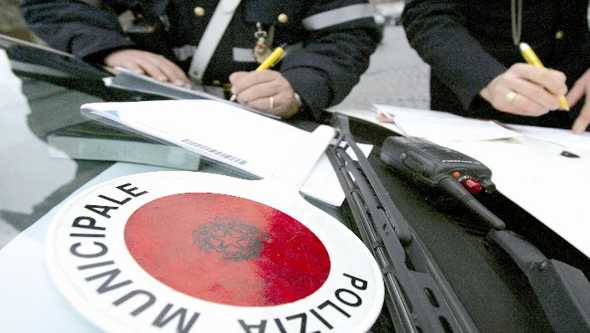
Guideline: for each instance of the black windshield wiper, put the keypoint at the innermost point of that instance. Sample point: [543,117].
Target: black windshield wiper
[420,297]
[562,290]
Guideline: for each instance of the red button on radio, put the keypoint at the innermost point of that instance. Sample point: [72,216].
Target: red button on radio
[473,186]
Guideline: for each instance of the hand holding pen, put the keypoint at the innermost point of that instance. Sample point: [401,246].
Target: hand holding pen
[265,90]
[531,58]
[527,89]
[269,62]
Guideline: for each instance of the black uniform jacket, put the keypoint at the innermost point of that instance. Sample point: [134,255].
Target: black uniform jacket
[336,37]
[468,43]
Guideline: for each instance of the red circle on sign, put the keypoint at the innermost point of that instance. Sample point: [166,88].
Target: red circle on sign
[227,249]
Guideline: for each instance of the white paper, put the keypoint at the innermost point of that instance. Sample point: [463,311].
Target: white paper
[442,126]
[258,145]
[563,139]
[323,183]
[219,131]
[551,187]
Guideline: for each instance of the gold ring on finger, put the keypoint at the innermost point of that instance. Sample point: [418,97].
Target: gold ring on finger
[510,96]
[271,102]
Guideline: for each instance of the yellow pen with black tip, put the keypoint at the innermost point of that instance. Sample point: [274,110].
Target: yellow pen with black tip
[269,62]
[531,58]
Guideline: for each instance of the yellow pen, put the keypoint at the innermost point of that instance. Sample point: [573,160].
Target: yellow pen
[531,58]
[270,61]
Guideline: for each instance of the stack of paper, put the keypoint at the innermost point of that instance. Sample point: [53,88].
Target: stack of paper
[218,131]
[235,137]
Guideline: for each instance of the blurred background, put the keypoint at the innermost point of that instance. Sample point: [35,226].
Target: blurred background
[11,22]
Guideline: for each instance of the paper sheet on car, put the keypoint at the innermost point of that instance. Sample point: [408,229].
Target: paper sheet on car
[258,145]
[218,131]
[131,81]
[442,126]
[556,138]
[549,186]
[323,183]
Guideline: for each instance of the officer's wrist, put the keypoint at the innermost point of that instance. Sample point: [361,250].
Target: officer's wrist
[294,107]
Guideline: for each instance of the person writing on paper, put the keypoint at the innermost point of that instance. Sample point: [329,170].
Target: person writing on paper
[218,43]
[477,69]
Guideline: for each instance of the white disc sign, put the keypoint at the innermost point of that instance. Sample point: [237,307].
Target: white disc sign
[177,251]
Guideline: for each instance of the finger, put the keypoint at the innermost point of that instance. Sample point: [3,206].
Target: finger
[583,119]
[550,79]
[236,76]
[150,69]
[522,105]
[258,91]
[577,91]
[172,72]
[580,124]
[283,105]
[233,78]
[535,93]
[519,104]
[133,67]
[264,104]
[251,79]
[175,74]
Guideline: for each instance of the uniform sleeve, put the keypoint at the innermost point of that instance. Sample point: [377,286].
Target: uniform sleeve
[342,37]
[74,27]
[437,30]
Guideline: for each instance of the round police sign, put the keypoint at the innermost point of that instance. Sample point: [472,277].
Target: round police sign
[193,252]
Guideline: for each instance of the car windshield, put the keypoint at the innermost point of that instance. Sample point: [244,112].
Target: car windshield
[34,176]
[43,157]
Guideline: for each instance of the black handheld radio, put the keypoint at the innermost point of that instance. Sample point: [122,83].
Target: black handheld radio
[440,167]
[554,282]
